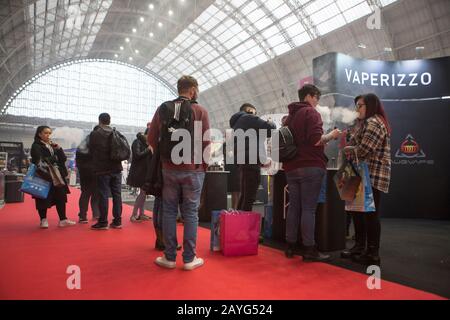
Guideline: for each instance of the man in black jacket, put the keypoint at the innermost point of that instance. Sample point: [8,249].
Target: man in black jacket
[108,172]
[88,182]
[250,170]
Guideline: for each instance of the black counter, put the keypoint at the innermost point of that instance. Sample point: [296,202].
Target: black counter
[330,216]
[214,194]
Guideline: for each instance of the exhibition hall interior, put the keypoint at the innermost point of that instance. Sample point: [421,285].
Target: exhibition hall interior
[262,150]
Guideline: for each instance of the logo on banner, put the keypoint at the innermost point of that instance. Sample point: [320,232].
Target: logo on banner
[411,153]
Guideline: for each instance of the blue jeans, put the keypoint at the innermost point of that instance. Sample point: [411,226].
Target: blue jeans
[304,188]
[110,184]
[189,184]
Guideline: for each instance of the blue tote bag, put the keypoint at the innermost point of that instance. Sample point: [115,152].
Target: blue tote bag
[364,201]
[35,186]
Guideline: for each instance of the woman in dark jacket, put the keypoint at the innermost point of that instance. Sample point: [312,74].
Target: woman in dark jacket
[44,150]
[141,155]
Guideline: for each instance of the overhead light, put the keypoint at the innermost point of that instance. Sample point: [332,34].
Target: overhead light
[420,48]
[170,12]
[134,30]
[160,24]
[116,55]
[136,51]
[127,39]
[151,6]
[141,19]
[362,46]
[121,48]
[130,58]
[388,49]
[151,34]
[446,97]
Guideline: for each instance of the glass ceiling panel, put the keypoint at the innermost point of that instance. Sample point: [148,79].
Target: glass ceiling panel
[246,33]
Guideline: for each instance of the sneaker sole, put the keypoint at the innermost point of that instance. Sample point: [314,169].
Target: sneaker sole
[112,227]
[165,265]
[100,229]
[66,225]
[194,267]
[83,222]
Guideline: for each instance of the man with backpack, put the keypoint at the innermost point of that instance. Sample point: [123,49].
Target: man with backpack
[109,148]
[182,180]
[305,171]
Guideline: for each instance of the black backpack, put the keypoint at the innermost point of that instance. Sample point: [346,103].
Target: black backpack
[120,149]
[287,149]
[175,115]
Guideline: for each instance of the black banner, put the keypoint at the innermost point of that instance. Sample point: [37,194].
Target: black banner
[419,119]
[410,79]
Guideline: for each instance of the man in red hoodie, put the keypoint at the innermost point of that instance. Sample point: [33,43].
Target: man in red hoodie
[183,180]
[306,171]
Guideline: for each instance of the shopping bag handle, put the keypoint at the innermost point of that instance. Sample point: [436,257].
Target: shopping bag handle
[353,168]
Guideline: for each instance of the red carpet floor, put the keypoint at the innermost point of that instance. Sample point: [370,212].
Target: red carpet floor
[118,264]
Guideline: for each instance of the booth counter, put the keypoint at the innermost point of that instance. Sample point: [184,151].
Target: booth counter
[330,216]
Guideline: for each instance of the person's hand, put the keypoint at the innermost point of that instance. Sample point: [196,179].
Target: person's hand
[336,133]
[268,164]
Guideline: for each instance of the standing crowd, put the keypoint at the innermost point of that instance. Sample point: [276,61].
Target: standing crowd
[177,186]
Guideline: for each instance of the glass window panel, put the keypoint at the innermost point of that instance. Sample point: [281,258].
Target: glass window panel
[81,91]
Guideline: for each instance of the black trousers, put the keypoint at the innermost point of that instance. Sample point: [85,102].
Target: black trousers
[88,184]
[368,226]
[250,180]
[60,208]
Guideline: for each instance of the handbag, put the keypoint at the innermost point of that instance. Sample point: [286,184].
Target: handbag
[347,180]
[42,170]
[363,201]
[35,186]
[57,179]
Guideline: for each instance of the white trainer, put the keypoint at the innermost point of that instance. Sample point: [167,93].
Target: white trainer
[197,262]
[44,224]
[66,223]
[163,262]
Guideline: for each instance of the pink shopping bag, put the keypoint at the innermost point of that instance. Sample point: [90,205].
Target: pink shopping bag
[239,233]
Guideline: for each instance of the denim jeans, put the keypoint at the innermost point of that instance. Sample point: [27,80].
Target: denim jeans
[110,184]
[304,188]
[188,185]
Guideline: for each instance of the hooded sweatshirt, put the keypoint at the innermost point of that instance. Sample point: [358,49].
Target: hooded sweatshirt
[305,123]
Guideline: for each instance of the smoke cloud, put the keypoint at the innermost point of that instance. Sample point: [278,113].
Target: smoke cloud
[68,137]
[331,116]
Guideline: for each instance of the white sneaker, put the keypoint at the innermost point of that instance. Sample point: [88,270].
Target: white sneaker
[163,262]
[197,262]
[66,223]
[44,224]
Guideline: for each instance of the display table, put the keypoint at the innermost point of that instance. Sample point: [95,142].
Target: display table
[330,216]
[214,194]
